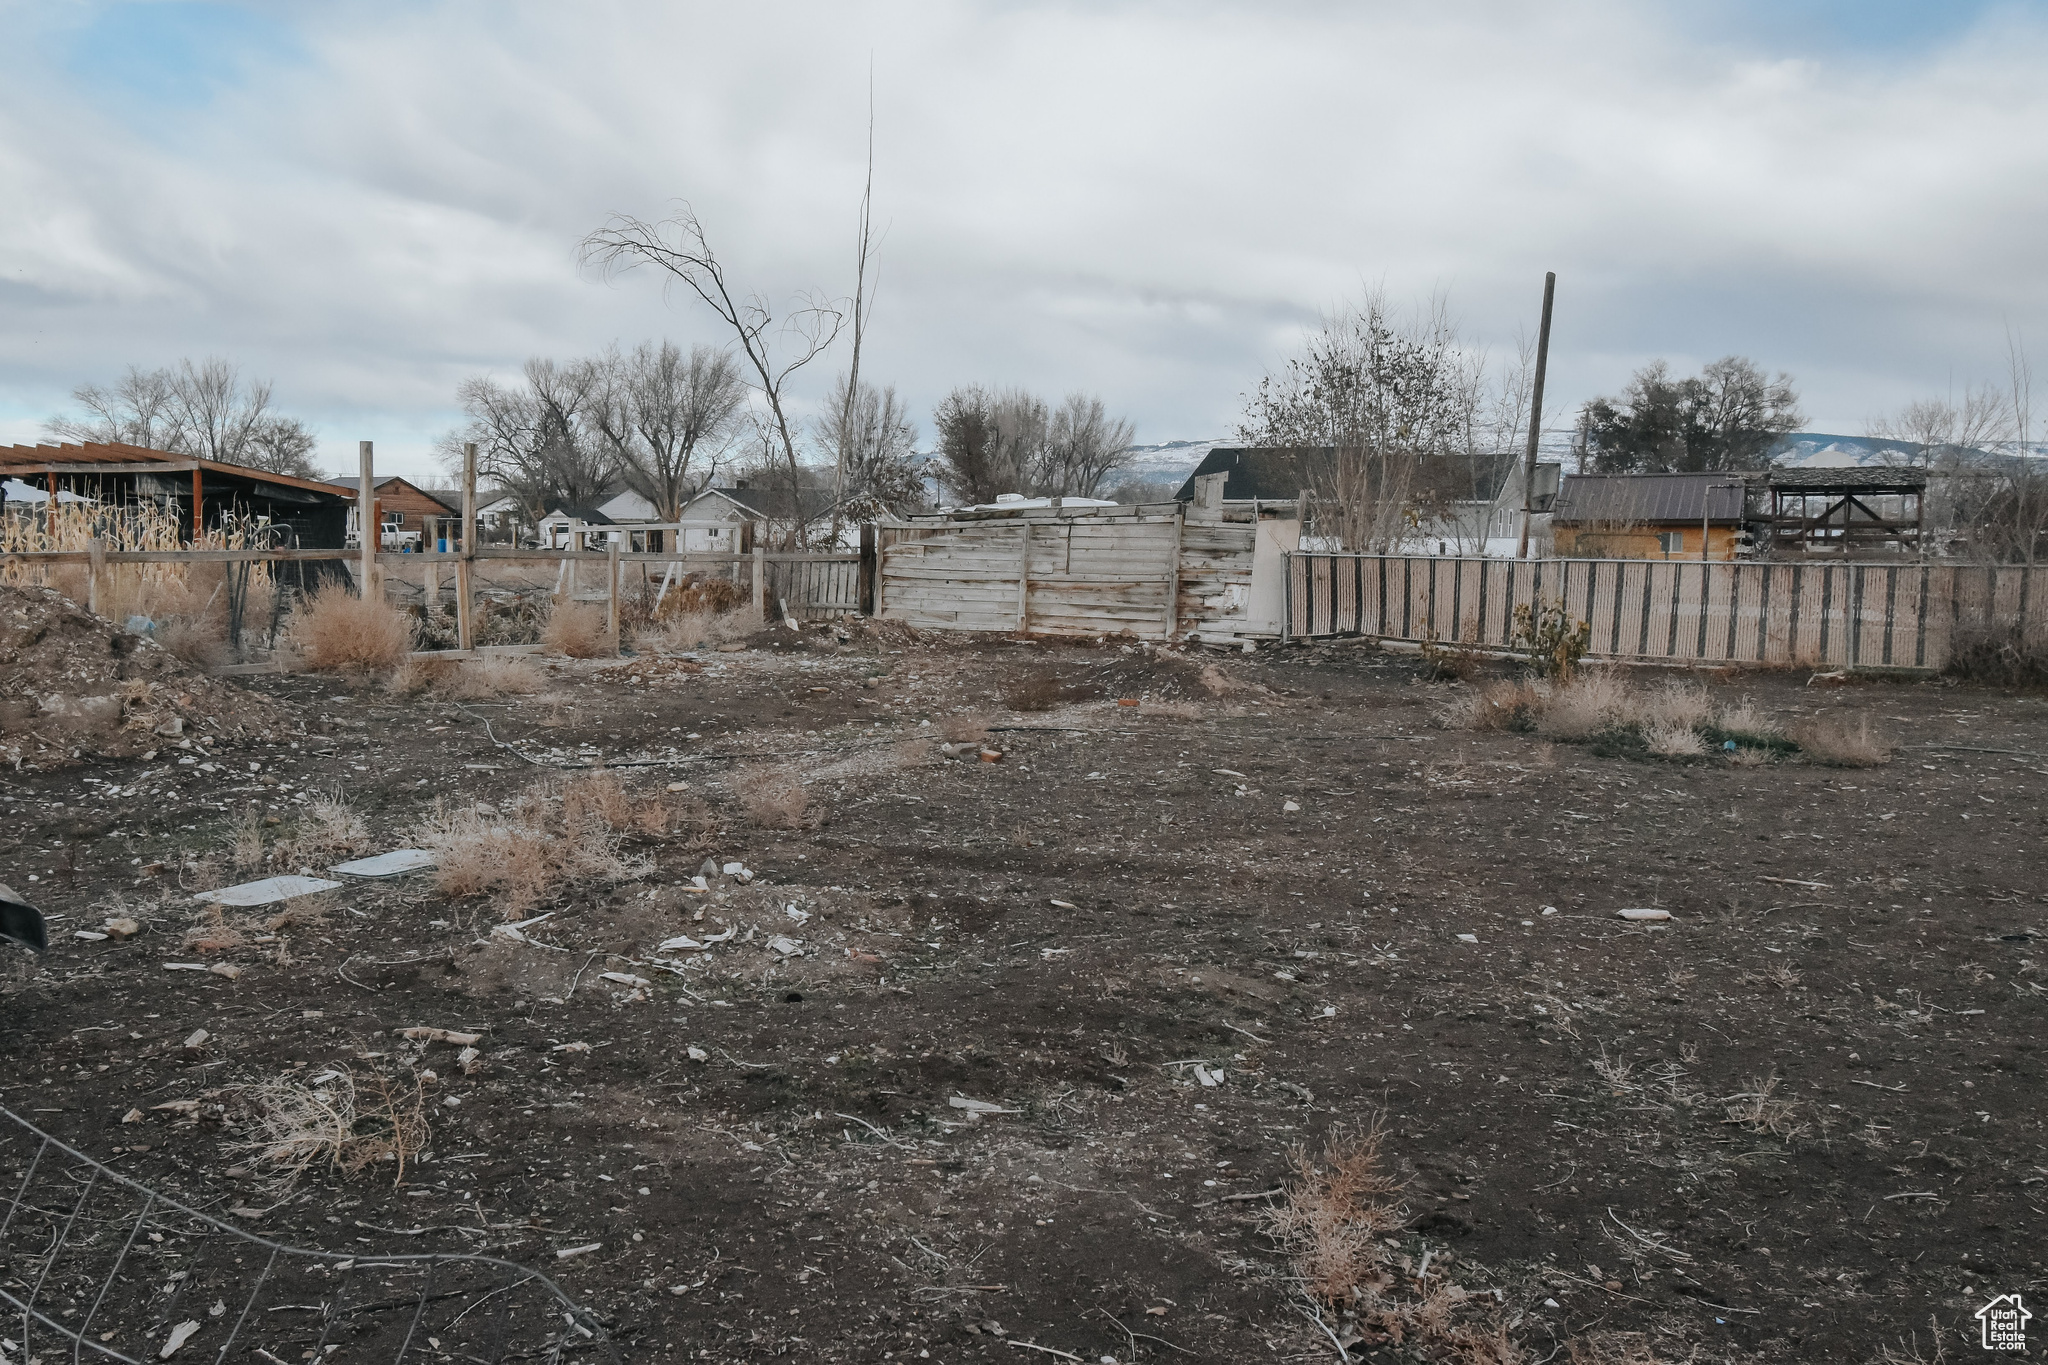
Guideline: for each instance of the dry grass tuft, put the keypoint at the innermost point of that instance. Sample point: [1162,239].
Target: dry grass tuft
[1745,720]
[337,631]
[1593,700]
[1759,1109]
[493,675]
[773,798]
[211,932]
[329,831]
[298,1126]
[525,850]
[680,631]
[1673,739]
[1842,743]
[247,849]
[1338,1214]
[576,629]
[1497,706]
[1673,705]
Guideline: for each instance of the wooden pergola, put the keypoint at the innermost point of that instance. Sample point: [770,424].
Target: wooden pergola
[1845,510]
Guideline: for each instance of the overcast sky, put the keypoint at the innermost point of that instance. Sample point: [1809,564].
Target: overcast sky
[368,202]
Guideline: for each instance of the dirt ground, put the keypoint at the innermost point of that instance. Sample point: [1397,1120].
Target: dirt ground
[1168,943]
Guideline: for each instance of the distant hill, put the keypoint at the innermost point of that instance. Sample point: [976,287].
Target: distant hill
[1820,450]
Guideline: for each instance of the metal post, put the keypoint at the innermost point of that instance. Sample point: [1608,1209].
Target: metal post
[366,521]
[1536,412]
[465,620]
[867,568]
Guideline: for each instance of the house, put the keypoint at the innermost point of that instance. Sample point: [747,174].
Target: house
[1259,475]
[404,509]
[1649,516]
[306,513]
[559,526]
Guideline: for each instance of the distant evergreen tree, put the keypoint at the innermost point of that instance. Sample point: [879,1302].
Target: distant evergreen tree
[1726,418]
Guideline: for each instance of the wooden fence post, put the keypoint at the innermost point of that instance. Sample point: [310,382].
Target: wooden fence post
[430,543]
[865,594]
[366,522]
[1173,572]
[611,590]
[761,579]
[95,595]
[1024,579]
[465,620]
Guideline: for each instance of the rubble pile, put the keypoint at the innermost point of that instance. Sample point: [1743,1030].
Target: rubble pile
[74,685]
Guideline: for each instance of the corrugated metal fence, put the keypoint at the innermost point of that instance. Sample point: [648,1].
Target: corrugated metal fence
[1845,614]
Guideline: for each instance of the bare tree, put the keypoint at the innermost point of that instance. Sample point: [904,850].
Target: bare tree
[536,440]
[872,432]
[1943,430]
[680,247]
[205,411]
[1083,447]
[666,418]
[1378,414]
[1011,441]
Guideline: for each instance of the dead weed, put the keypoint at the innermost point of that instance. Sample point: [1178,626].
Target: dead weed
[337,631]
[331,1121]
[528,848]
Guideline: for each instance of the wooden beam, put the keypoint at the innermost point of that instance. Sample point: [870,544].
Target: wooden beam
[465,584]
[198,504]
[366,521]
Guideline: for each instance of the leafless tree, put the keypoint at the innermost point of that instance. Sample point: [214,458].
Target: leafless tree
[1943,430]
[679,247]
[871,431]
[1011,441]
[666,418]
[535,439]
[205,411]
[1379,414]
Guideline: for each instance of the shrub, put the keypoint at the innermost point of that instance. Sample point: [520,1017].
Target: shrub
[1584,705]
[335,631]
[328,830]
[1673,739]
[2002,658]
[679,631]
[577,629]
[1505,706]
[1447,663]
[1549,639]
[773,798]
[536,845]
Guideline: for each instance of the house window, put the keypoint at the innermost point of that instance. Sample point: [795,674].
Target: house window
[1671,542]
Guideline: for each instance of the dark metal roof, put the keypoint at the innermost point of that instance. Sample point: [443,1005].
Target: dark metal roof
[1850,478]
[1648,499]
[1257,472]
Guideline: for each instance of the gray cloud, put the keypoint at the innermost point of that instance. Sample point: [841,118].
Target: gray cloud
[1148,200]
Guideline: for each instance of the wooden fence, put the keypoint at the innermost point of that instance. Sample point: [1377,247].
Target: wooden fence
[1849,614]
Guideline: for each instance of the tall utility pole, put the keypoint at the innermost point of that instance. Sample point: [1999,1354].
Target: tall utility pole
[1536,413]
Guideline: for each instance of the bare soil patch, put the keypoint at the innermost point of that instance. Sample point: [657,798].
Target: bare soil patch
[1184,953]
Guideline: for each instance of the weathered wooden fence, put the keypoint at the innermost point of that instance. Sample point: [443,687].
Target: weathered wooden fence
[1849,614]
[1154,571]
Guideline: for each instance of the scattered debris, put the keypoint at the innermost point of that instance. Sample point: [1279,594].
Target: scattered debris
[438,1035]
[392,864]
[268,891]
[180,1334]
[979,1106]
[1644,914]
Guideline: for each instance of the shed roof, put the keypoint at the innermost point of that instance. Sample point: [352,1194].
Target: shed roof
[126,459]
[1259,472]
[1649,499]
[1849,478]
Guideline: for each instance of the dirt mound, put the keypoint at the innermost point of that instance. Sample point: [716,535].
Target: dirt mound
[73,684]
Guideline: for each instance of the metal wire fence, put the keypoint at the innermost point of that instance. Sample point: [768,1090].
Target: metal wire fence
[94,1266]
